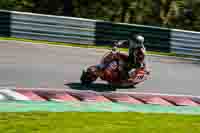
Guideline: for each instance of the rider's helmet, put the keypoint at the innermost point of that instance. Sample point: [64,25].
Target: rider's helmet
[139,40]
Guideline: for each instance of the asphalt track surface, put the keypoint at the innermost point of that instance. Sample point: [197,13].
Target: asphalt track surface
[24,64]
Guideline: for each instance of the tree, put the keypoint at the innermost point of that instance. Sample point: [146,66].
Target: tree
[182,14]
[68,8]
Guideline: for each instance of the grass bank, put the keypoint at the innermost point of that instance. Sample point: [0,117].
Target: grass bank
[97,123]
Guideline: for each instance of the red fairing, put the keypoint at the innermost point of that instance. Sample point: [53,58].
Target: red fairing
[111,76]
[110,57]
[123,57]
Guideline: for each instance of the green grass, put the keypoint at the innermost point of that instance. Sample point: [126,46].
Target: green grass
[98,123]
[87,46]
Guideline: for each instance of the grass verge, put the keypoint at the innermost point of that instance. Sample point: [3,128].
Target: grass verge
[71,122]
[87,46]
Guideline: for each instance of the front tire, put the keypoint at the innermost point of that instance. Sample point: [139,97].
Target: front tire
[88,77]
[84,80]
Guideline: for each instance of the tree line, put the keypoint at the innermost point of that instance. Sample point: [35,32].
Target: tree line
[180,14]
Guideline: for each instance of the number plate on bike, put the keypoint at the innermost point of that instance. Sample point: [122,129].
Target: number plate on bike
[139,78]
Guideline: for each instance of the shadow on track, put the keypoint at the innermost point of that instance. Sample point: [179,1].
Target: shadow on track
[99,87]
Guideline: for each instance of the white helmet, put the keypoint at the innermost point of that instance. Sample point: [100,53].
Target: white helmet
[139,39]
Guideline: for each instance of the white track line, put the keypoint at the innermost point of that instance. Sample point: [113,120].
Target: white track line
[13,95]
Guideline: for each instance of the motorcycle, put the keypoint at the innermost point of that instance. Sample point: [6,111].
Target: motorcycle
[111,72]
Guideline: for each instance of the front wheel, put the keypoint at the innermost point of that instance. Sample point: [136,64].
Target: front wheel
[88,76]
[84,79]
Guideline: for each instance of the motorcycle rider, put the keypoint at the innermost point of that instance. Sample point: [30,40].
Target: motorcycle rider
[136,56]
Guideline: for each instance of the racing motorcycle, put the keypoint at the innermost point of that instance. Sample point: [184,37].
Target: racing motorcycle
[111,72]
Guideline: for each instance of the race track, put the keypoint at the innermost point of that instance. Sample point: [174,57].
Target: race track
[24,64]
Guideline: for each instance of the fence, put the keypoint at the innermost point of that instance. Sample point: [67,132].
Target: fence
[93,32]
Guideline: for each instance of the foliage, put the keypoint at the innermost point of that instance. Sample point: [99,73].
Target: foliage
[181,14]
